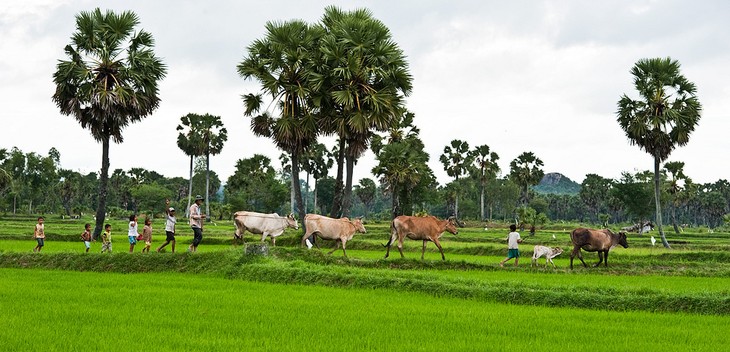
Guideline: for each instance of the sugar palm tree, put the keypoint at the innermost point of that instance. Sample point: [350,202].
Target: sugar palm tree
[362,81]
[107,81]
[282,63]
[402,164]
[457,158]
[212,136]
[663,117]
[190,143]
[676,186]
[486,163]
[526,171]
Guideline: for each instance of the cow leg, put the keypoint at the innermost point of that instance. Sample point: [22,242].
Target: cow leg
[263,236]
[344,251]
[273,241]
[438,244]
[393,235]
[605,258]
[400,246]
[423,250]
[600,259]
[337,246]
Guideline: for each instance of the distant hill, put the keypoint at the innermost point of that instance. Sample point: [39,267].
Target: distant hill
[556,183]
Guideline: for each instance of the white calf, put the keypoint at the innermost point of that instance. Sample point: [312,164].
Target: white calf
[548,252]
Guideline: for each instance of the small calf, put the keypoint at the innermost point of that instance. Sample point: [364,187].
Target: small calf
[548,252]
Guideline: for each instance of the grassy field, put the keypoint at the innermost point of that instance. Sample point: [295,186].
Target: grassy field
[297,299]
[168,311]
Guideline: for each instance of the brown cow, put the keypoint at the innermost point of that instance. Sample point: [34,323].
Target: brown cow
[600,241]
[341,230]
[428,228]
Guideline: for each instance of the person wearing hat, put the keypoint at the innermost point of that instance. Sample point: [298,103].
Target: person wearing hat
[169,227]
[196,223]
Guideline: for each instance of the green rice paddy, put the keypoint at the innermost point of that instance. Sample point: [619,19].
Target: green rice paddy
[649,298]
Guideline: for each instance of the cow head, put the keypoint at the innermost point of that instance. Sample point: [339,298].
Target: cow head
[622,239]
[359,226]
[451,225]
[557,251]
[292,222]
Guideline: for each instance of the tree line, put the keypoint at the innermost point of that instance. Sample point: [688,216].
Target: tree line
[345,76]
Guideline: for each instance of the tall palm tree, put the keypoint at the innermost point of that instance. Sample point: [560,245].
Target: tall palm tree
[525,171]
[664,116]
[282,63]
[457,158]
[402,164]
[108,80]
[190,143]
[486,162]
[212,135]
[362,81]
[677,185]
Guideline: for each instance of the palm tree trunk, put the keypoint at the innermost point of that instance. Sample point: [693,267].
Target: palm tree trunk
[190,188]
[481,202]
[297,190]
[347,192]
[306,195]
[103,181]
[292,196]
[657,201]
[314,209]
[207,187]
[674,218]
[339,185]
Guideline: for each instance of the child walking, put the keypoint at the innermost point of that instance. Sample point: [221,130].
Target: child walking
[169,227]
[147,235]
[513,239]
[133,233]
[106,239]
[39,234]
[86,237]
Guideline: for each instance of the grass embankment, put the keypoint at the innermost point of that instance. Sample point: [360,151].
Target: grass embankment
[441,279]
[64,311]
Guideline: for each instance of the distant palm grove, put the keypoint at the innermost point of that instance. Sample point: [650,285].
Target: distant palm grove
[346,77]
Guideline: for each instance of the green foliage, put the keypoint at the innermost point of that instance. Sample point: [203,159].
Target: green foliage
[255,187]
[526,171]
[635,195]
[150,197]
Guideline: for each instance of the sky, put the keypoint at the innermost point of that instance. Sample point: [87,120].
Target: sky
[539,76]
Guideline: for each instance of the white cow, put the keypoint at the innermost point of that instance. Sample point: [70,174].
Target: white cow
[263,224]
[548,252]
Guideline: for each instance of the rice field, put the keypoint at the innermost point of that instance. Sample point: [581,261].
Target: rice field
[296,299]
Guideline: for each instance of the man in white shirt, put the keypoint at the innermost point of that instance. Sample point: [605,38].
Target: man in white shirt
[196,223]
[513,239]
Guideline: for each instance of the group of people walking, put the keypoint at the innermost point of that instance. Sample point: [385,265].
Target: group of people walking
[196,223]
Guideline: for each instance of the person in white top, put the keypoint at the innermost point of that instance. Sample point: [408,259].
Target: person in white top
[513,239]
[132,233]
[169,227]
[196,223]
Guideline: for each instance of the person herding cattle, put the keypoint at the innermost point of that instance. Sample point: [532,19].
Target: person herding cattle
[428,228]
[600,241]
[513,241]
[341,230]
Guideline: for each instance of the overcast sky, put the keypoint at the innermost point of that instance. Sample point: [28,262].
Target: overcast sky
[540,76]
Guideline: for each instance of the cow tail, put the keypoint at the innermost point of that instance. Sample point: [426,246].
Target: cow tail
[392,231]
